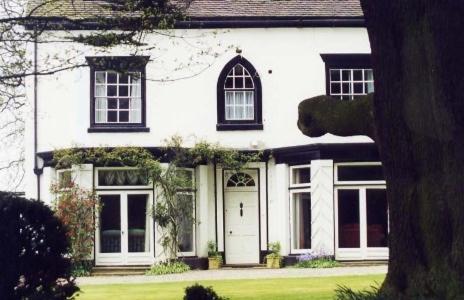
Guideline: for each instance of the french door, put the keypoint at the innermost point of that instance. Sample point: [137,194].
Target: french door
[124,234]
[361,223]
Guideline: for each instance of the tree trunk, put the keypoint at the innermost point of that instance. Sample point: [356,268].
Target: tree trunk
[418,57]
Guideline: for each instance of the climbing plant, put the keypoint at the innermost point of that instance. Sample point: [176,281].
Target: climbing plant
[171,207]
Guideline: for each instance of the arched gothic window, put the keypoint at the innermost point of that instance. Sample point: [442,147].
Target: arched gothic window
[239,97]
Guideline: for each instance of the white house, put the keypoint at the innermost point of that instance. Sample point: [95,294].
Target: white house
[233,73]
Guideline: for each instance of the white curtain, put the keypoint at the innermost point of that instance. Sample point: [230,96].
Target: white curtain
[230,106]
[136,100]
[100,110]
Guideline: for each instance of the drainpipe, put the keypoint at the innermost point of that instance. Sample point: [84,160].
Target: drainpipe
[37,171]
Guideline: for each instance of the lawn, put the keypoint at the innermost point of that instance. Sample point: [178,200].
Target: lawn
[268,289]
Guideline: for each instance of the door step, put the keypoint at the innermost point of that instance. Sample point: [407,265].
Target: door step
[119,270]
[244,266]
[363,263]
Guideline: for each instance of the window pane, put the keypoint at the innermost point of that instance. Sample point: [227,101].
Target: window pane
[136,91]
[249,98]
[112,116]
[346,75]
[239,98]
[112,90]
[112,77]
[121,177]
[186,236]
[346,88]
[100,90]
[368,75]
[369,88]
[348,219]
[358,75]
[238,70]
[124,116]
[123,78]
[124,103]
[112,103]
[230,98]
[357,88]
[229,83]
[248,83]
[138,222]
[335,88]
[360,173]
[238,82]
[302,221]
[110,224]
[64,179]
[100,77]
[123,90]
[186,178]
[301,175]
[335,75]
[377,218]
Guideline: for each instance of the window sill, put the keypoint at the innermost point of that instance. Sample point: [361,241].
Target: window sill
[118,129]
[227,127]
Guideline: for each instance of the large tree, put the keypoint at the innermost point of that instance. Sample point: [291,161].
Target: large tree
[418,108]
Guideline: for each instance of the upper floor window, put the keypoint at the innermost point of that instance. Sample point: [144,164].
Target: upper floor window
[348,75]
[239,97]
[117,93]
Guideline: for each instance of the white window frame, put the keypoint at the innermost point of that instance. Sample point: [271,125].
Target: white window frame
[359,182]
[58,174]
[351,94]
[130,98]
[119,187]
[363,252]
[243,90]
[297,189]
[293,250]
[191,191]
[299,185]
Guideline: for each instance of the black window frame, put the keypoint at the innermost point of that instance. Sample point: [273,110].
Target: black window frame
[257,122]
[118,64]
[344,61]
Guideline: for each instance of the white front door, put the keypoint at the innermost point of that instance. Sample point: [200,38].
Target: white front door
[241,217]
[361,223]
[124,234]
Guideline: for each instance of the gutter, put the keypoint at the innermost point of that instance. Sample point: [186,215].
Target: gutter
[37,171]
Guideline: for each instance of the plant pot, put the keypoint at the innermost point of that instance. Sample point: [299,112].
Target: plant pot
[214,263]
[273,262]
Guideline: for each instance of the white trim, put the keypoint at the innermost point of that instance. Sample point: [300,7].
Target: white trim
[291,204]
[363,252]
[357,183]
[125,257]
[298,185]
[118,187]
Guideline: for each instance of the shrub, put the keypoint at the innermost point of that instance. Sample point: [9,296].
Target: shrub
[172,267]
[32,253]
[75,207]
[345,293]
[274,248]
[199,292]
[316,260]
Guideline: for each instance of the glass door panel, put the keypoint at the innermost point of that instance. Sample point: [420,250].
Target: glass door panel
[110,224]
[138,221]
[186,237]
[377,217]
[348,219]
[302,220]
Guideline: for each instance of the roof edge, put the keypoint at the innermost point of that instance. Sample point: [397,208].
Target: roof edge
[57,23]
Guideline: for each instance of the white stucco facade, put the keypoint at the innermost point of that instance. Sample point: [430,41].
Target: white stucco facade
[181,99]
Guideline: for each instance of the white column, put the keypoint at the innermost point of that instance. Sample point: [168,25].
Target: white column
[202,221]
[83,176]
[279,224]
[47,178]
[322,208]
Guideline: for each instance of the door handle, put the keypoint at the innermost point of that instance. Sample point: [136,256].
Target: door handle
[230,232]
[122,232]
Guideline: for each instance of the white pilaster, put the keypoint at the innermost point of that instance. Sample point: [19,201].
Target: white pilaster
[322,208]
[279,209]
[202,221]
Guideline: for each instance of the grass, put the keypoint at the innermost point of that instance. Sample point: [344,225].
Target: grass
[257,289]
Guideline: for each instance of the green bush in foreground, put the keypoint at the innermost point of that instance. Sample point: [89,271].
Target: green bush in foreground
[199,292]
[345,293]
[164,268]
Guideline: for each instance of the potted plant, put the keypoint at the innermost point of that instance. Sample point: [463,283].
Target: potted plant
[274,259]
[214,258]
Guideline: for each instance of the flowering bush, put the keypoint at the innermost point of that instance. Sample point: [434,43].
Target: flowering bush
[75,207]
[169,267]
[316,259]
